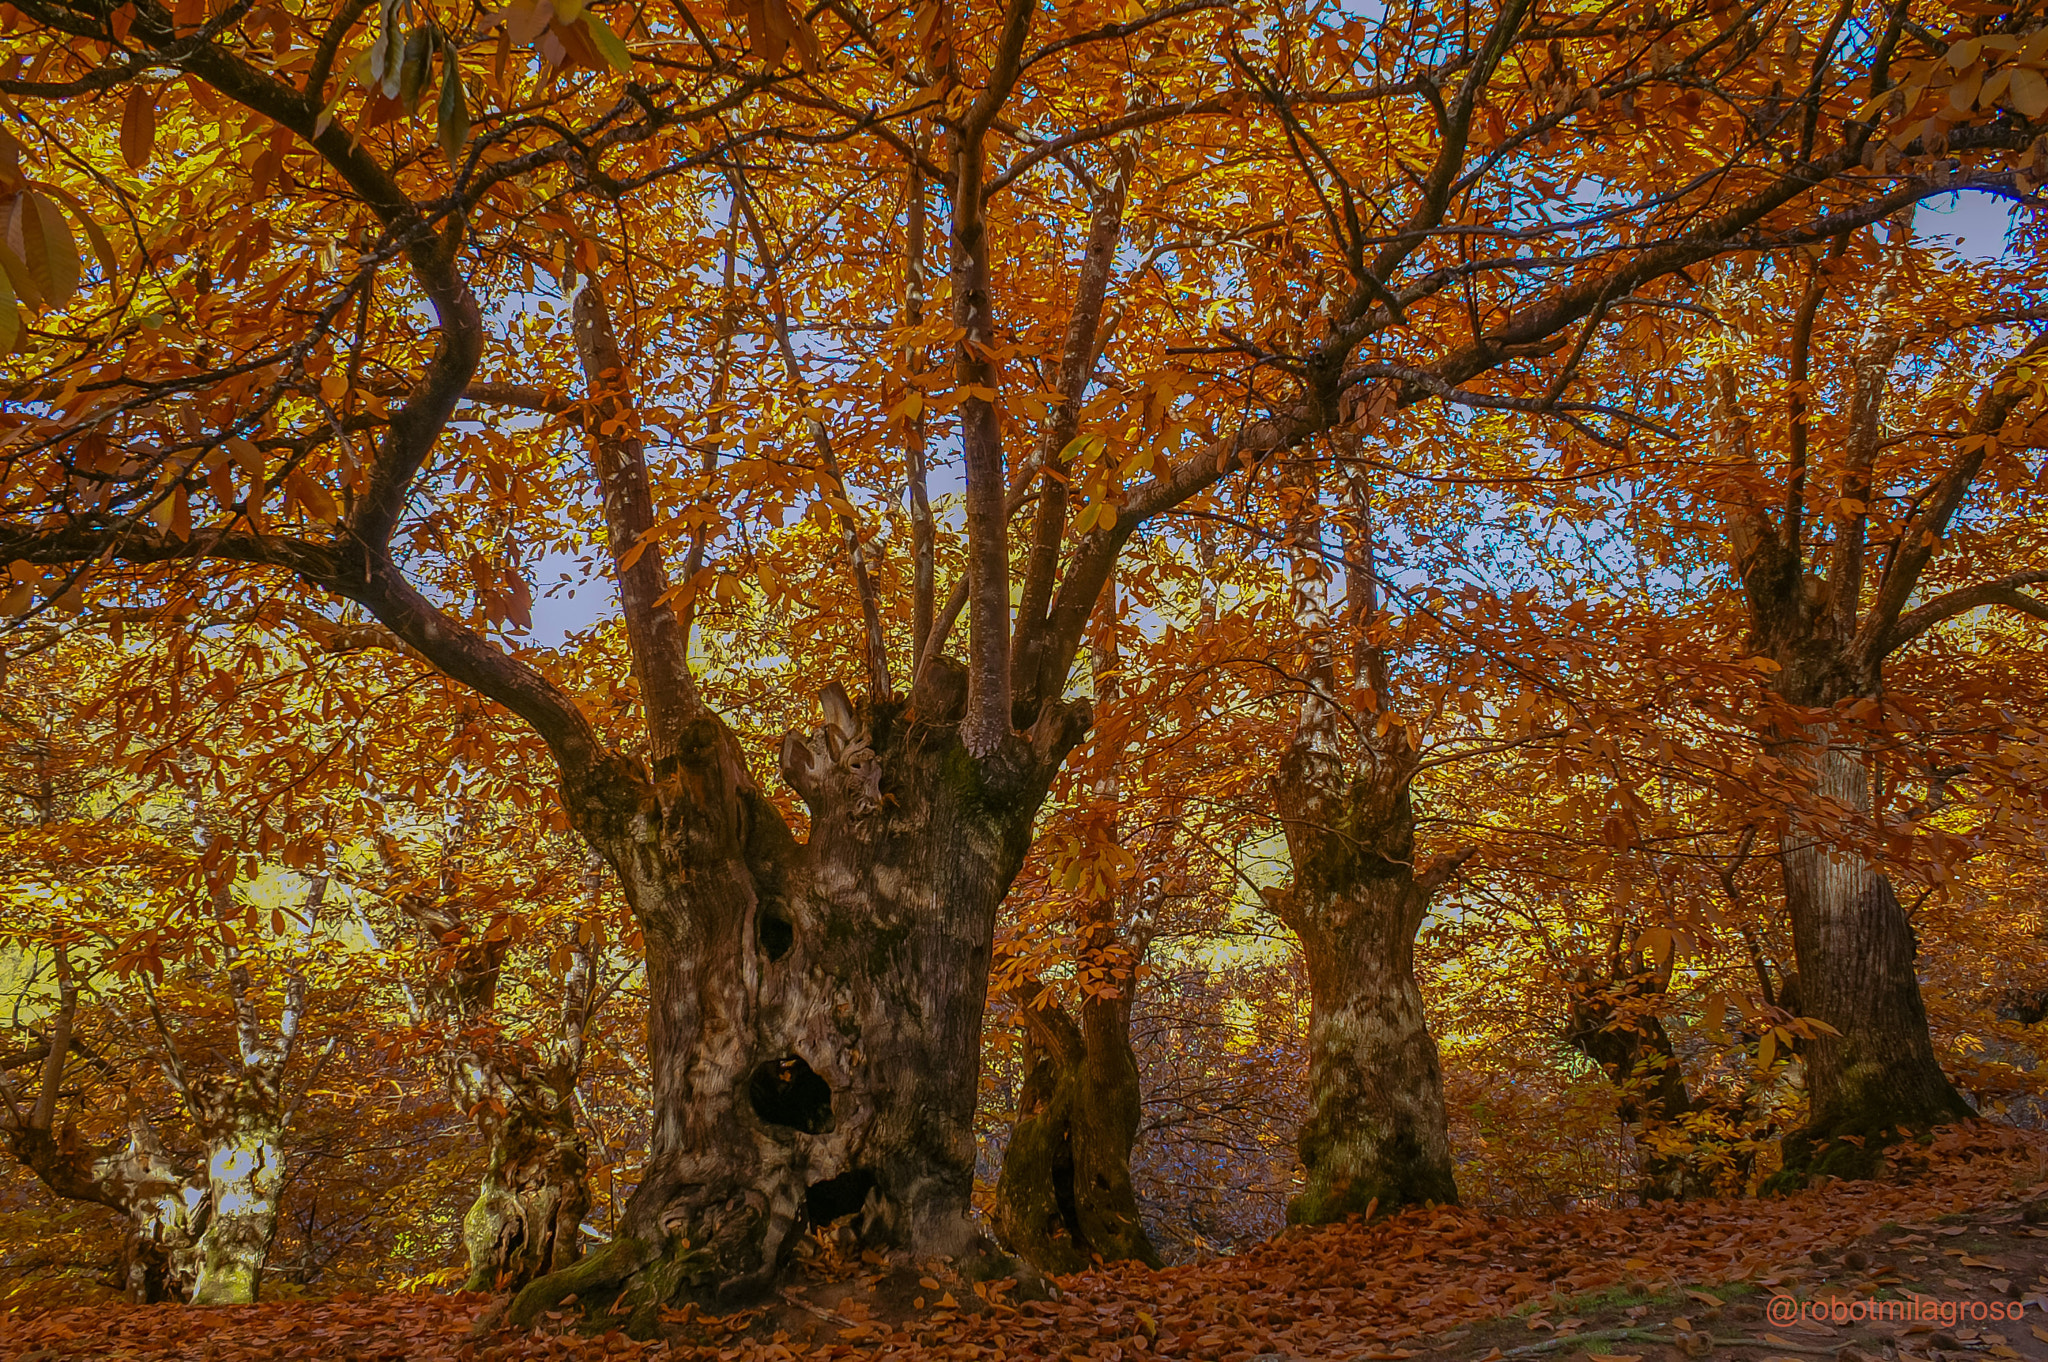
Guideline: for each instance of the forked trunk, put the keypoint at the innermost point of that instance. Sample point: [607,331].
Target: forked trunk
[815,1008]
[1376,1136]
[1856,950]
[1064,1198]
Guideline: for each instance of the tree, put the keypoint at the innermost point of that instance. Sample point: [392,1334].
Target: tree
[1376,1134]
[816,1003]
[1065,1196]
[1826,614]
[528,1214]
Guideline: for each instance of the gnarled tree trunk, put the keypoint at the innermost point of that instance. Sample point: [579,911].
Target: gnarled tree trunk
[1376,1134]
[1064,1197]
[528,1214]
[164,1204]
[815,1007]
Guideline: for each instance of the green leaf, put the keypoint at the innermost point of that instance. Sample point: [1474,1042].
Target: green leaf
[452,116]
[608,43]
[416,68]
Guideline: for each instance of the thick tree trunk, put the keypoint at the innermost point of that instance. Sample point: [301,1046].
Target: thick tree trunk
[1064,1198]
[1856,950]
[528,1214]
[815,1008]
[1376,1133]
[1377,1136]
[244,1176]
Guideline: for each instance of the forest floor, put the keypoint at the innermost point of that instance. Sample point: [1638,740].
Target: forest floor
[1961,1228]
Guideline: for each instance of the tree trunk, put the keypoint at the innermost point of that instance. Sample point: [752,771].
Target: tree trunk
[528,1214]
[1064,1198]
[815,1008]
[1612,1024]
[1376,1133]
[165,1206]
[1856,954]
[244,1176]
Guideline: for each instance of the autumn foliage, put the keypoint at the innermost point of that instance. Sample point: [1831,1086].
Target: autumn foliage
[652,652]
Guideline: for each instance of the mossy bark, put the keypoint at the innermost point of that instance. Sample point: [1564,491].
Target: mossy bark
[1064,1197]
[528,1214]
[1377,1134]
[245,1174]
[816,1007]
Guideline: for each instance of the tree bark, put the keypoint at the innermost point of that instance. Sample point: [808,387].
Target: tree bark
[815,1007]
[1828,637]
[528,1214]
[1877,1071]
[241,1122]
[1064,1197]
[1612,1024]
[1377,1135]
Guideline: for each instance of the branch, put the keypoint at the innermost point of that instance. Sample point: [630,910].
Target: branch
[1921,537]
[1030,680]
[2005,591]
[659,646]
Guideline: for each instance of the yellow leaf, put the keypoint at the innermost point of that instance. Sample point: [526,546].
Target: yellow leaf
[2027,94]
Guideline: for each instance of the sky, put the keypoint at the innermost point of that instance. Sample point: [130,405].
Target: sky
[1978,224]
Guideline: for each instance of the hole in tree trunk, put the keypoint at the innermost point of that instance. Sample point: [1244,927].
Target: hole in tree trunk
[1063,1186]
[827,1201]
[777,935]
[788,1092]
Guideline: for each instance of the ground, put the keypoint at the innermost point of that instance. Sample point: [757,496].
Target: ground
[1962,1223]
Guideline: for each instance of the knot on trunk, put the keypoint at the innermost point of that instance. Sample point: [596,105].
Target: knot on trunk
[836,768]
